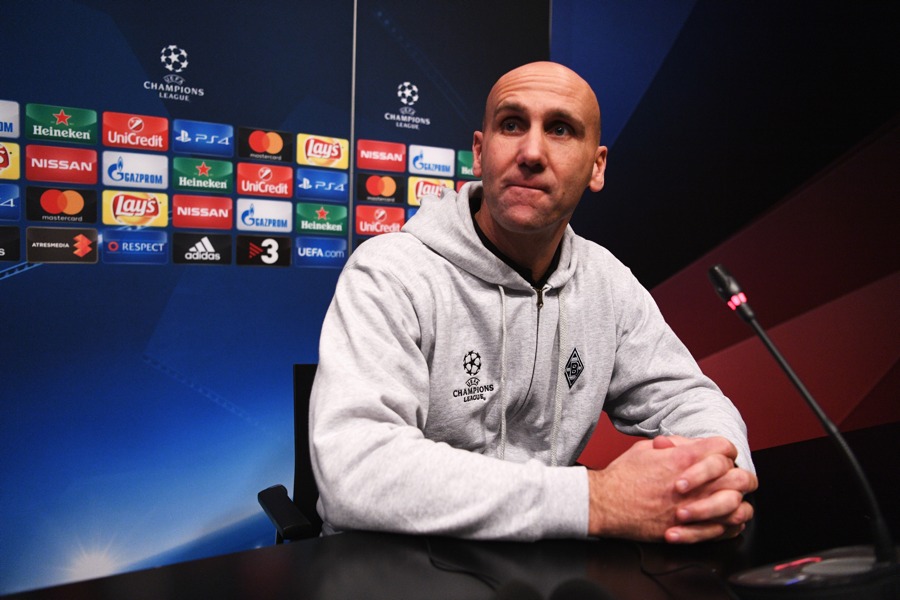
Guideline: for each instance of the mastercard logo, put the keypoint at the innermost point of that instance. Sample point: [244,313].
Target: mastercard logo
[265,142]
[381,186]
[67,202]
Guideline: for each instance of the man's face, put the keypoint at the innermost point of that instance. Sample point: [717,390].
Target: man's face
[539,148]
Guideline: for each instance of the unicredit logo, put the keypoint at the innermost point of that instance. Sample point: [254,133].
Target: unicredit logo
[123,130]
[257,180]
[375,220]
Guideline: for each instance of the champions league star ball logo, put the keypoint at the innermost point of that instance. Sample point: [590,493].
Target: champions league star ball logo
[175,59]
[472,362]
[408,93]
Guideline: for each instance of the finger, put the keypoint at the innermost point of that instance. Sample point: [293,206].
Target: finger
[704,532]
[735,479]
[706,470]
[724,506]
[662,442]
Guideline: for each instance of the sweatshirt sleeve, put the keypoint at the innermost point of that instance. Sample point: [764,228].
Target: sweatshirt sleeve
[657,387]
[374,467]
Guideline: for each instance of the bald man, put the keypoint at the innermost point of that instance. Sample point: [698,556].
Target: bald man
[465,360]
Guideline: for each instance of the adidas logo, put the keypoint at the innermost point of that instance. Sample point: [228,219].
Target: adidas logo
[202,250]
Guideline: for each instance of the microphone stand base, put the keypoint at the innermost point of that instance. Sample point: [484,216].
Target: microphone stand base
[847,572]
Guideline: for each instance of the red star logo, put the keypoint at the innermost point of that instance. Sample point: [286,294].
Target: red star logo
[322,214]
[203,169]
[62,118]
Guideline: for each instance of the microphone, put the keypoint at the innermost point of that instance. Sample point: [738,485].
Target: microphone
[859,572]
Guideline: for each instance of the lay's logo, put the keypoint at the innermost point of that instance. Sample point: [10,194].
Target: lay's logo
[419,187]
[320,151]
[141,209]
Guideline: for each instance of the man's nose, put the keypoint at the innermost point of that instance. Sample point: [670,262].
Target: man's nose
[532,149]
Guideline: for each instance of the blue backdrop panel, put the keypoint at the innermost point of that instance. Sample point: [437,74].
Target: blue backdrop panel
[144,405]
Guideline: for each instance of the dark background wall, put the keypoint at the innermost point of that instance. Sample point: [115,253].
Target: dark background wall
[762,135]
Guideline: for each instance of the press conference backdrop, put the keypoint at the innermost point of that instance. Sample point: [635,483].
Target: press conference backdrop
[180,189]
[144,405]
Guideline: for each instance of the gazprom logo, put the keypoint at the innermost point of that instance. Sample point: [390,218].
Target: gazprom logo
[9,119]
[428,160]
[132,169]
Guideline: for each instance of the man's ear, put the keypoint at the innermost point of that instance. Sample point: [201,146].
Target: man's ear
[598,172]
[476,153]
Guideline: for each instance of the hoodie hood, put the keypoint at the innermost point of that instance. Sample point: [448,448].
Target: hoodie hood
[445,226]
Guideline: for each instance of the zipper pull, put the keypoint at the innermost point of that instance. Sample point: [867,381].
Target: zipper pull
[540,297]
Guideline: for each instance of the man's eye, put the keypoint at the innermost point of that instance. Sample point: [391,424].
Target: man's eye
[561,130]
[509,126]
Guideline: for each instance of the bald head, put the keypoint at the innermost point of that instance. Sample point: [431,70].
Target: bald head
[548,76]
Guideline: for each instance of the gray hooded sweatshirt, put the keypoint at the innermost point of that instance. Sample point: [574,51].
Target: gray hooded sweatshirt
[453,398]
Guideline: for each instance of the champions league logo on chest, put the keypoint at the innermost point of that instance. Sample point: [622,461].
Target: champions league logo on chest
[173,86]
[406,117]
[474,389]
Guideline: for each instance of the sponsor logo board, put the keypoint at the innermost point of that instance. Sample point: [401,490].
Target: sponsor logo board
[201,249]
[265,180]
[137,209]
[61,165]
[319,184]
[201,137]
[323,151]
[263,215]
[429,160]
[202,175]
[201,212]
[263,251]
[60,205]
[419,187]
[127,130]
[10,202]
[61,245]
[10,243]
[379,188]
[135,247]
[261,144]
[312,251]
[464,164]
[9,119]
[131,169]
[373,155]
[321,218]
[60,124]
[375,220]
[10,163]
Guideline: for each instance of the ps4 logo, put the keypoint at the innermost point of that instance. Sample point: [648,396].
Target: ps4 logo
[325,186]
[322,185]
[198,137]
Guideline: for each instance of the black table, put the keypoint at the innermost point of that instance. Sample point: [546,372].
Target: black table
[806,502]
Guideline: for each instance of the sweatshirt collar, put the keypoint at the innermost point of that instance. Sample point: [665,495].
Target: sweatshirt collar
[474,205]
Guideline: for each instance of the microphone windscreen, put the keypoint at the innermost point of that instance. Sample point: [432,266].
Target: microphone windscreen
[580,589]
[517,590]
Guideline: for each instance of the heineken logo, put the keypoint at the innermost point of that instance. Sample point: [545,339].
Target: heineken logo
[61,123]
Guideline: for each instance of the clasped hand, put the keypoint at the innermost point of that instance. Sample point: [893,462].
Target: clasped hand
[671,488]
